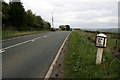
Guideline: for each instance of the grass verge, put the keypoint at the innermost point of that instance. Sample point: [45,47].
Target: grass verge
[81,57]
[9,34]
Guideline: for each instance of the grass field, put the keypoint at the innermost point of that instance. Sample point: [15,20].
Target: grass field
[81,57]
[9,34]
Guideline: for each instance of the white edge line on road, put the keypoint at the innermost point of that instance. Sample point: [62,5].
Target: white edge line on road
[56,58]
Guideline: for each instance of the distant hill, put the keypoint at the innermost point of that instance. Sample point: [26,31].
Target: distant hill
[114,30]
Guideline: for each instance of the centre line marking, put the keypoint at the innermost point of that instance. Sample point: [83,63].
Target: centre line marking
[1,50]
[32,40]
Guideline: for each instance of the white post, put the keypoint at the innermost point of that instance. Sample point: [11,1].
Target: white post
[99,55]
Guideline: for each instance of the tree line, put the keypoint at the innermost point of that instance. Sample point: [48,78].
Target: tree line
[15,17]
[65,27]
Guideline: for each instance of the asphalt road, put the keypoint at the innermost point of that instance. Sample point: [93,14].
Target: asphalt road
[30,56]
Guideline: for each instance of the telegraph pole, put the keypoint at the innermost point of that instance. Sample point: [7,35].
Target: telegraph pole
[52,21]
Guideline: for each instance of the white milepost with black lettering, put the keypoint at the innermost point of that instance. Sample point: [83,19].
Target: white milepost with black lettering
[101,40]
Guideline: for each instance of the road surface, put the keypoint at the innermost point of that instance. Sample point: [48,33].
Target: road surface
[30,56]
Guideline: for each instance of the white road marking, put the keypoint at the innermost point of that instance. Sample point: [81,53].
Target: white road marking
[16,44]
[55,60]
[1,50]
[45,36]
[35,39]
[32,40]
[21,37]
[18,37]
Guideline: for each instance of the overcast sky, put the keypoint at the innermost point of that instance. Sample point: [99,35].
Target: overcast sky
[77,13]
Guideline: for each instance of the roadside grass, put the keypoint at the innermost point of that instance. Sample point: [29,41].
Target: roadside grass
[9,33]
[81,57]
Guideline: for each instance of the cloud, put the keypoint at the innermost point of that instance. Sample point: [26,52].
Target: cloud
[88,13]
[77,13]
